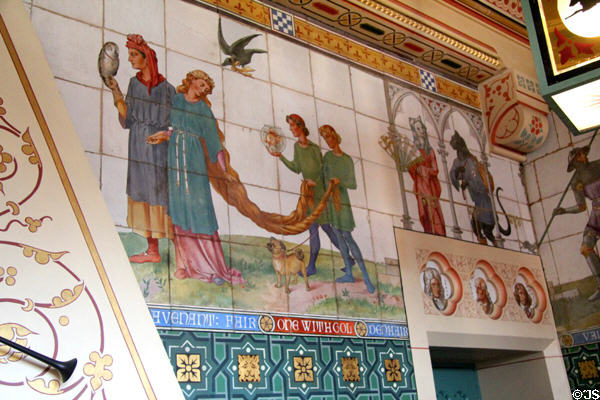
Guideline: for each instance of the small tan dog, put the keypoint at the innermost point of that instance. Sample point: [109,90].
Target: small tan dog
[287,265]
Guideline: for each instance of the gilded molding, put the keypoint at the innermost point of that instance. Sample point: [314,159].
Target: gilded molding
[356,52]
[426,30]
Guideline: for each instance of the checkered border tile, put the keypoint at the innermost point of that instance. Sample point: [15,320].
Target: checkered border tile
[282,22]
[428,81]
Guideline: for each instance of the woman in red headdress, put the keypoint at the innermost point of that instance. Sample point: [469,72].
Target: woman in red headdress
[145,111]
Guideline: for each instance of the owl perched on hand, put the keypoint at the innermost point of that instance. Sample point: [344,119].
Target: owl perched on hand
[108,61]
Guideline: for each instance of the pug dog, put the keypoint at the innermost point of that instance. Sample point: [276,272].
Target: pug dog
[287,265]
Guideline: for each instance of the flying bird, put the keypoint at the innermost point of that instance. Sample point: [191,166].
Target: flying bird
[239,56]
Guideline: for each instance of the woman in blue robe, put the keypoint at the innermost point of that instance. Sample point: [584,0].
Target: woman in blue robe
[194,137]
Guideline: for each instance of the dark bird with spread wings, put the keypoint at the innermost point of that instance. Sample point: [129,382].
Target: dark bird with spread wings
[239,56]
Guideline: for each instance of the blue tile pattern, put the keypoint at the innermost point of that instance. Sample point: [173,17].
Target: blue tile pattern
[282,22]
[291,367]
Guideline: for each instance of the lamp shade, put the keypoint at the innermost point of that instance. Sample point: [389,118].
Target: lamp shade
[565,42]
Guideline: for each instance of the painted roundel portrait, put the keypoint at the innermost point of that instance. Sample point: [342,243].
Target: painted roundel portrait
[525,296]
[440,283]
[529,295]
[488,290]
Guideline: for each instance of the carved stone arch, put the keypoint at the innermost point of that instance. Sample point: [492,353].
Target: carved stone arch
[478,132]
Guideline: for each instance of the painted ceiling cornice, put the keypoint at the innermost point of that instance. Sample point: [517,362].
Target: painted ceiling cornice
[505,16]
[401,30]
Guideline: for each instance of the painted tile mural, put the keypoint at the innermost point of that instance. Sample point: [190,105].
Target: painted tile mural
[254,173]
[212,366]
[563,211]
[558,192]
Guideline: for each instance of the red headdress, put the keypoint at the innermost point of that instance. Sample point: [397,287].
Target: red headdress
[138,43]
[296,118]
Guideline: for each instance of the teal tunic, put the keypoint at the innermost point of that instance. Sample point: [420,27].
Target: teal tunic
[190,200]
[341,167]
[309,162]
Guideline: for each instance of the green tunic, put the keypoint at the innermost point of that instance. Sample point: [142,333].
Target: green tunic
[309,162]
[341,167]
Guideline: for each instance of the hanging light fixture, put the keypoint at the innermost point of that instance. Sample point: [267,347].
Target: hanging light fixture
[565,41]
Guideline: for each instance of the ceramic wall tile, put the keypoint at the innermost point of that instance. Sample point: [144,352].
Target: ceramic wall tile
[538,219]
[71,46]
[358,196]
[510,244]
[551,274]
[115,138]
[465,130]
[531,183]
[94,160]
[259,291]
[410,106]
[331,79]
[180,65]
[192,30]
[383,192]
[447,213]
[221,212]
[289,64]
[370,131]
[343,121]
[463,216]
[368,94]
[570,263]
[503,177]
[114,181]
[241,106]
[80,102]
[525,212]
[413,209]
[525,232]
[552,170]
[567,224]
[149,14]
[594,153]
[288,203]
[192,292]
[286,102]
[383,244]
[518,182]
[232,31]
[545,253]
[362,232]
[562,132]
[249,157]
[269,202]
[89,11]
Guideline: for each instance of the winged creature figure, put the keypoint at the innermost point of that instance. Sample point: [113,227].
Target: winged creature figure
[238,56]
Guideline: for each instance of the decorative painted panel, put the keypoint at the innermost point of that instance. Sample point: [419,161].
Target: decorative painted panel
[514,112]
[253,366]
[583,367]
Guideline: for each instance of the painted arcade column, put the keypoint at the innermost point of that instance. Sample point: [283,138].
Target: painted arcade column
[515,114]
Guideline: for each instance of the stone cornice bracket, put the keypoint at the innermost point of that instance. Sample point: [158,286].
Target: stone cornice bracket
[514,113]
